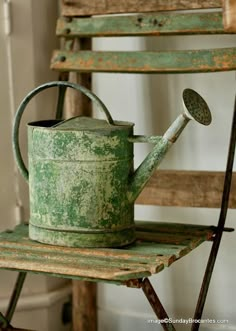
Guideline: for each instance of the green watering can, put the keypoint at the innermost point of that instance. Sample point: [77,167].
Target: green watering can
[81,178]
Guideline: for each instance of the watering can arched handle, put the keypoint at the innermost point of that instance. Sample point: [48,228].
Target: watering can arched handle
[24,103]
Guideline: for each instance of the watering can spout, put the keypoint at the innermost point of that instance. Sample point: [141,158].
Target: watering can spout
[195,108]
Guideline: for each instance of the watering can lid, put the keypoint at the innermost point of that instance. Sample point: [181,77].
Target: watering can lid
[83,123]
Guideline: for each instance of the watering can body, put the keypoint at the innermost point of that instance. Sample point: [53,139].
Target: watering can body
[81,178]
[78,173]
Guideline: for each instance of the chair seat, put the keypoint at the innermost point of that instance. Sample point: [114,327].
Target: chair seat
[157,246]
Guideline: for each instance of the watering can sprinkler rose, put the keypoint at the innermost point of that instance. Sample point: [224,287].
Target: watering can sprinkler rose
[81,179]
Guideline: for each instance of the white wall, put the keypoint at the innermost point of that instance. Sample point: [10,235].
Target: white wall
[6,173]
[152,103]
[24,64]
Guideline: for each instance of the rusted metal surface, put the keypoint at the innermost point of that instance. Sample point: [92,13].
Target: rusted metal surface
[134,283]
[141,25]
[187,61]
[87,8]
[220,226]
[186,188]
[156,305]
[147,256]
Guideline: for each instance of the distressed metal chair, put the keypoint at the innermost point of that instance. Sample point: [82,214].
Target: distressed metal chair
[133,265]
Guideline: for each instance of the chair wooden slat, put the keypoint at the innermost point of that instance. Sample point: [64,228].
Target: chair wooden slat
[96,7]
[142,25]
[148,255]
[187,61]
[186,189]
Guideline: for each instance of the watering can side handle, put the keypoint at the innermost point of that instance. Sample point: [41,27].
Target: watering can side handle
[26,100]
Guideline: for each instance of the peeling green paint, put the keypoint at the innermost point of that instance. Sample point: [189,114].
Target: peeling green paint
[180,61]
[81,178]
[79,173]
[142,24]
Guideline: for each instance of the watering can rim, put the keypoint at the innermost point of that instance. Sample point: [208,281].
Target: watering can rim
[84,123]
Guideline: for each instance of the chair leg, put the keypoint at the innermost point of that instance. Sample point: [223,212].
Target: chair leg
[205,285]
[15,296]
[3,321]
[156,305]
[220,227]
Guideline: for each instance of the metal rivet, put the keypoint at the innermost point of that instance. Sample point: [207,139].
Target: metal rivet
[140,19]
[125,269]
[68,19]
[67,31]
[62,58]
[155,21]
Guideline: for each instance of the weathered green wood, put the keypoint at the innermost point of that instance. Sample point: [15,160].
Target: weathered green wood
[177,228]
[87,8]
[138,25]
[187,61]
[138,260]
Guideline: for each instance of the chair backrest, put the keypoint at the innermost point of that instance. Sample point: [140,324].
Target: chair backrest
[152,18]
